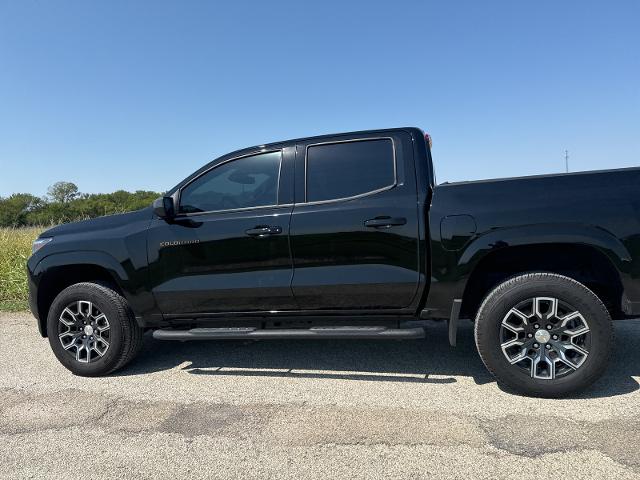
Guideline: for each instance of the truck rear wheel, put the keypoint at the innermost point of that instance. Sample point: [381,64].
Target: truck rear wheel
[544,335]
[91,329]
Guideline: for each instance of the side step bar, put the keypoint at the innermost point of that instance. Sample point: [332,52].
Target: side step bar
[241,333]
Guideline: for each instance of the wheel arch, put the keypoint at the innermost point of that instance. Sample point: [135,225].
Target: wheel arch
[564,248]
[57,272]
[586,263]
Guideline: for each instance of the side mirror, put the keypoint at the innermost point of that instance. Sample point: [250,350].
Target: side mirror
[164,208]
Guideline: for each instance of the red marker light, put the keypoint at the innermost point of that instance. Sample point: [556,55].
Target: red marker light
[427,137]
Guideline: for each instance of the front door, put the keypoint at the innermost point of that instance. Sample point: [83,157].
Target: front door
[354,227]
[228,248]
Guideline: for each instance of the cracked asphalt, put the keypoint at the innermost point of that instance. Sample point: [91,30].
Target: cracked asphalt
[307,409]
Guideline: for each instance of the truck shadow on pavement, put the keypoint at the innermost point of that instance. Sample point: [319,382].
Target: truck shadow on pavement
[428,361]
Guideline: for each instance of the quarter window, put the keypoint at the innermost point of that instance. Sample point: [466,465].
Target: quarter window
[342,170]
[243,183]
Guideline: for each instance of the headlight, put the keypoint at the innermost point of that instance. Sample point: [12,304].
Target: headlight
[39,243]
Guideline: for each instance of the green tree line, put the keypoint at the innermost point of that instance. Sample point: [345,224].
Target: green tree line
[64,203]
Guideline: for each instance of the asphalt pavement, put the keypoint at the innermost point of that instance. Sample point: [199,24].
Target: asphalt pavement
[307,410]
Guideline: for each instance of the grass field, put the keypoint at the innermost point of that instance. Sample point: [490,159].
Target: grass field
[15,248]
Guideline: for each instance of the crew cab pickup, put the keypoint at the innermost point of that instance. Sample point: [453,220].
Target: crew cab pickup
[348,236]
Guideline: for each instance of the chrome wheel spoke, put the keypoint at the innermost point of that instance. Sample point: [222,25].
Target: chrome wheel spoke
[578,349]
[102,325]
[515,321]
[102,342]
[71,342]
[100,348]
[79,351]
[513,329]
[511,343]
[563,358]
[577,331]
[85,307]
[519,357]
[564,354]
[543,367]
[569,317]
[68,318]
[519,314]
[545,308]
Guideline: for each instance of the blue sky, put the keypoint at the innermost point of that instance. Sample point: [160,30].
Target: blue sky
[137,95]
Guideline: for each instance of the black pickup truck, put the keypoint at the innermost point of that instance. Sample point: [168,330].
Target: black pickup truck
[348,236]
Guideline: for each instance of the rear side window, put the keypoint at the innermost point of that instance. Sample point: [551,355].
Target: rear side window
[243,183]
[342,170]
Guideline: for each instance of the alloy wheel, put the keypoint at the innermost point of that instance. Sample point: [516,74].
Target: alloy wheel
[84,331]
[545,337]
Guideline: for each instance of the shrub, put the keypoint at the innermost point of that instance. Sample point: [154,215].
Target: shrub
[15,248]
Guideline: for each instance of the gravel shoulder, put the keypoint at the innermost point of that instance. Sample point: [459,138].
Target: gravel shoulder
[307,409]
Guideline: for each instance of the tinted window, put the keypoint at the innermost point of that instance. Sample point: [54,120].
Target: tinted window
[343,170]
[246,182]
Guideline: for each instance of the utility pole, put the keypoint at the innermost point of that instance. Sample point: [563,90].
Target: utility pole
[566,161]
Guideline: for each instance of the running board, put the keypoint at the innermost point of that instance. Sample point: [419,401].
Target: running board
[329,333]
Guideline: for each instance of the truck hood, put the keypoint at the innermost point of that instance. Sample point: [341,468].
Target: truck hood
[99,223]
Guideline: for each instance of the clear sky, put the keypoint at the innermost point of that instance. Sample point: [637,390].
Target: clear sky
[136,95]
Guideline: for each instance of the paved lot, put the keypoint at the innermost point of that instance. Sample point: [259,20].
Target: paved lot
[310,409]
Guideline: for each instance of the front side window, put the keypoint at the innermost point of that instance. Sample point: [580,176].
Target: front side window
[243,183]
[342,170]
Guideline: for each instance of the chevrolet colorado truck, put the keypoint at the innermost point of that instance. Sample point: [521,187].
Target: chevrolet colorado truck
[348,236]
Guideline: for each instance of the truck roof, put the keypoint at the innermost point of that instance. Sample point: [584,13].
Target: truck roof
[414,130]
[411,130]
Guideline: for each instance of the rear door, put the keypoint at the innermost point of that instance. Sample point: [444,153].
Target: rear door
[354,227]
[228,248]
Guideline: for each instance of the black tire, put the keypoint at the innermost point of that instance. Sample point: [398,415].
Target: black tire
[125,336]
[498,305]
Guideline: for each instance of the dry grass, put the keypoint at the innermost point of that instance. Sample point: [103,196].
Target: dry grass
[15,248]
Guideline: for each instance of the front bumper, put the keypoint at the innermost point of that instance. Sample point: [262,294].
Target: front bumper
[33,298]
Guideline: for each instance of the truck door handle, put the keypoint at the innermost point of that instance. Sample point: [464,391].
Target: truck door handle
[263,230]
[385,222]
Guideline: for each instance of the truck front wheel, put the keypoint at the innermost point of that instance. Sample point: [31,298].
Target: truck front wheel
[544,335]
[92,331]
